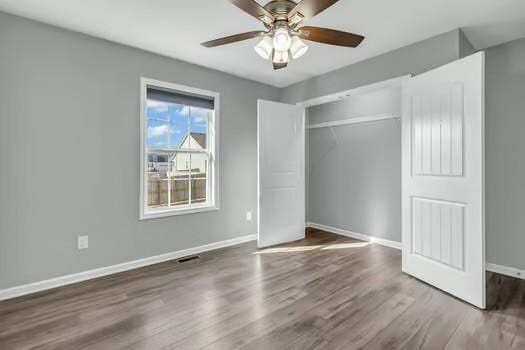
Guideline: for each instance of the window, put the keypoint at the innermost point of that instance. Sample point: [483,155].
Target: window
[179,149]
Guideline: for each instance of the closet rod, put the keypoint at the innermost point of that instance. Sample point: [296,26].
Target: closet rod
[363,119]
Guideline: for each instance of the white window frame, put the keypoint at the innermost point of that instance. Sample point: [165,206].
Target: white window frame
[213,166]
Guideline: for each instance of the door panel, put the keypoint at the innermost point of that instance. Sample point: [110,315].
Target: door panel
[438,231]
[443,178]
[281,181]
[438,131]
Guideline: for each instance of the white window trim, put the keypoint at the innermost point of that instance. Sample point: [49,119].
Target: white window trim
[214,176]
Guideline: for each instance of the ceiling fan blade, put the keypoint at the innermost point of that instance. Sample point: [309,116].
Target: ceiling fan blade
[310,8]
[330,36]
[252,8]
[277,66]
[232,39]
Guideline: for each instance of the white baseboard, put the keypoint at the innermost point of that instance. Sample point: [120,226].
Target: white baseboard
[104,271]
[505,270]
[361,236]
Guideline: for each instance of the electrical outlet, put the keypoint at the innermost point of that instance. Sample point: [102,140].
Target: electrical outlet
[83,242]
[248,216]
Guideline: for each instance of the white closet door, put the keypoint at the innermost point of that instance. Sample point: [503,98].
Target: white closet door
[443,178]
[281,180]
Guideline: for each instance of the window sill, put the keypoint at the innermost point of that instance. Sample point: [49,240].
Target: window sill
[176,212]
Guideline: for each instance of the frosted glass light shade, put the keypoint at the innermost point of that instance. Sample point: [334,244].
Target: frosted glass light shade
[264,48]
[281,57]
[298,47]
[282,40]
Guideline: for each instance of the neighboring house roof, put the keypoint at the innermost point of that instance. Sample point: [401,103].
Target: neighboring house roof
[200,138]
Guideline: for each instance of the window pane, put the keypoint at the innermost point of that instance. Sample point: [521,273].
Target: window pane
[180,179]
[199,127]
[168,124]
[179,125]
[180,192]
[157,170]
[199,172]
[158,163]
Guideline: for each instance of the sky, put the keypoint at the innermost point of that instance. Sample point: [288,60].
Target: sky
[168,123]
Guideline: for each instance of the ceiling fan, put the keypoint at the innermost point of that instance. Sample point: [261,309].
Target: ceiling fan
[282,18]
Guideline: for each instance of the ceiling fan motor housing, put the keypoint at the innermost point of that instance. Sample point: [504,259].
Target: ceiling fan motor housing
[280,8]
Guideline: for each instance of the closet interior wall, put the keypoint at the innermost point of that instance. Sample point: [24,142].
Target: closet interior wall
[353,175]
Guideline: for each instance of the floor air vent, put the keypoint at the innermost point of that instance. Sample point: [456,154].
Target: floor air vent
[188,259]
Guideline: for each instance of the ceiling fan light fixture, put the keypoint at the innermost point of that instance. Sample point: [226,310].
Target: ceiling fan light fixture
[282,39]
[264,48]
[280,56]
[298,47]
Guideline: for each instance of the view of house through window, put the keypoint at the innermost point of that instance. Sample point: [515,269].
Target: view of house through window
[179,150]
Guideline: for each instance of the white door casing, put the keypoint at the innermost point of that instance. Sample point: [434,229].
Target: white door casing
[281,173]
[443,207]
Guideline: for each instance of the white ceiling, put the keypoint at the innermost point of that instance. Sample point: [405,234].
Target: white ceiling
[176,27]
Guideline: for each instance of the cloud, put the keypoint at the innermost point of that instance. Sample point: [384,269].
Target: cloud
[198,115]
[156,106]
[185,111]
[199,120]
[157,131]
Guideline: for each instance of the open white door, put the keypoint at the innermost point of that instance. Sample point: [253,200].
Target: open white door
[281,182]
[443,178]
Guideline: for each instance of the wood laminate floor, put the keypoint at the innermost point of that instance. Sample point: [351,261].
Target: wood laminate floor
[325,292]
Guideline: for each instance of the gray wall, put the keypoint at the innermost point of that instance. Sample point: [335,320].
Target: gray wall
[354,172]
[69,133]
[413,59]
[465,47]
[505,154]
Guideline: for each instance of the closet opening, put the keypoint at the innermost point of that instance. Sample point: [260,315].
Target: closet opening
[353,162]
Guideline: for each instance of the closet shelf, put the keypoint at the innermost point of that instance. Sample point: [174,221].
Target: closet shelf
[356,120]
